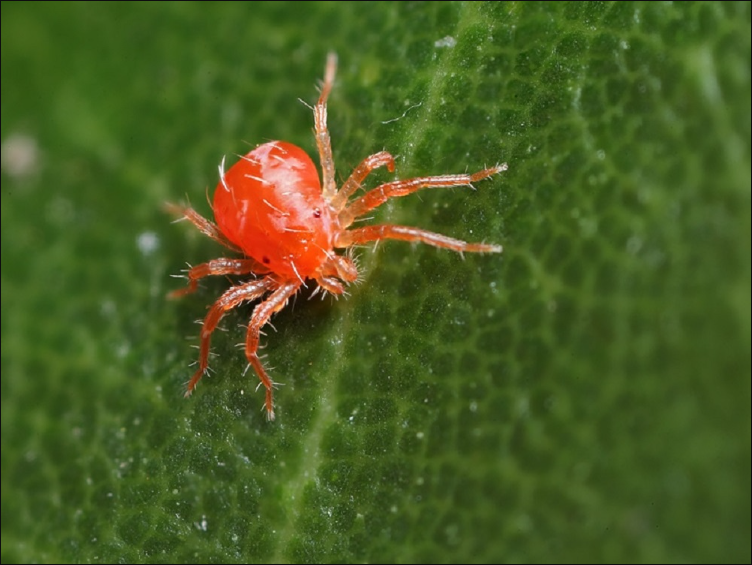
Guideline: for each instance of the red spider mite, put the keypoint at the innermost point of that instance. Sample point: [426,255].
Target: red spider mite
[271,208]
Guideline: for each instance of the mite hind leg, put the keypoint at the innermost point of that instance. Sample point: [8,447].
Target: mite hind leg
[221,266]
[206,227]
[261,314]
[229,300]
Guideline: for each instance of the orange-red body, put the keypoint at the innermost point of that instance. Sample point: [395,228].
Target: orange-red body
[270,205]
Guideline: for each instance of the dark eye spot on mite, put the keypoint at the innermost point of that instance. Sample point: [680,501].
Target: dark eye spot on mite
[316,213]
[266,260]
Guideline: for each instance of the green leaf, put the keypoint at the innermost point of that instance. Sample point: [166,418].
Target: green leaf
[584,396]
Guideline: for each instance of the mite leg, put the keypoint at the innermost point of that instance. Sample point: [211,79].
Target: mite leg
[376,197]
[207,227]
[229,300]
[359,175]
[218,267]
[323,141]
[330,284]
[261,314]
[407,233]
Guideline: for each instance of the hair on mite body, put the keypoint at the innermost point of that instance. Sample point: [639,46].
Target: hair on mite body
[290,229]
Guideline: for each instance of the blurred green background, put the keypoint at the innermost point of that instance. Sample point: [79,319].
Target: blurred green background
[584,396]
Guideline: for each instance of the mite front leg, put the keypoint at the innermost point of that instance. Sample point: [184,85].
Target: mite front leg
[331,285]
[407,233]
[261,315]
[379,195]
[218,267]
[366,167]
[207,227]
[323,141]
[229,300]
